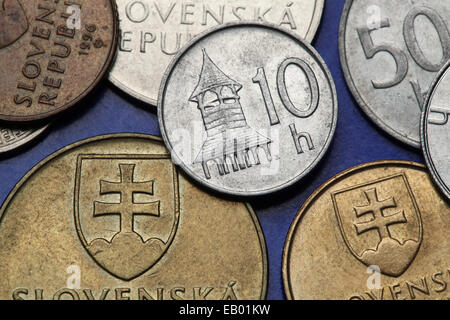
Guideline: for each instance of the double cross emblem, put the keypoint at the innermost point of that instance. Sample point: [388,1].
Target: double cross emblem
[380,222]
[128,207]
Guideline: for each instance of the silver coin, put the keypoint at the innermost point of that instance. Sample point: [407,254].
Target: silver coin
[435,130]
[390,52]
[247,108]
[12,138]
[152,32]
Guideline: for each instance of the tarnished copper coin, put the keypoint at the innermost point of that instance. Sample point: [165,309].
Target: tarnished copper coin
[112,218]
[153,31]
[52,54]
[375,232]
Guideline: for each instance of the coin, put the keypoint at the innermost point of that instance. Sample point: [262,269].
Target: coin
[13,138]
[390,52]
[435,131]
[111,218]
[247,108]
[53,54]
[377,231]
[152,32]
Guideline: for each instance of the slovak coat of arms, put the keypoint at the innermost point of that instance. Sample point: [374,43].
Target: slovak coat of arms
[126,210]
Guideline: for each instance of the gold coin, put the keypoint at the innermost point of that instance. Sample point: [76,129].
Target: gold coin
[377,231]
[112,218]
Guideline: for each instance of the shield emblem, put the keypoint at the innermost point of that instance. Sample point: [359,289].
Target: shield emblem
[126,210]
[380,223]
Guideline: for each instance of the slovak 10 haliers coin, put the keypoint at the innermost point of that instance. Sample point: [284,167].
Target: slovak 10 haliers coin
[152,32]
[112,218]
[52,53]
[247,108]
[378,231]
[390,53]
[435,131]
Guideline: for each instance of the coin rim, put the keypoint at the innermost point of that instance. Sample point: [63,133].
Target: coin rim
[308,48]
[19,143]
[4,207]
[106,66]
[351,85]
[317,194]
[310,35]
[424,133]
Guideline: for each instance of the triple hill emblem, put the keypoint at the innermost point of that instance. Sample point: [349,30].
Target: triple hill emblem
[13,22]
[380,223]
[231,143]
[126,210]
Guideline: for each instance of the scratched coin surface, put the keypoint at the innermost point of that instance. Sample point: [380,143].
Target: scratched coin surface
[390,53]
[112,218]
[12,138]
[435,131]
[52,54]
[247,108]
[378,231]
[152,32]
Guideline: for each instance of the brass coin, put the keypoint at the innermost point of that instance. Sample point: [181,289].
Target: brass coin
[52,54]
[377,231]
[112,218]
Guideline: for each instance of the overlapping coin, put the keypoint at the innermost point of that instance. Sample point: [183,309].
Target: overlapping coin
[14,138]
[152,32]
[112,218]
[390,52]
[247,108]
[53,53]
[435,131]
[378,231]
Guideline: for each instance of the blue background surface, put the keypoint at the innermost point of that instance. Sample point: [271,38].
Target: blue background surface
[108,110]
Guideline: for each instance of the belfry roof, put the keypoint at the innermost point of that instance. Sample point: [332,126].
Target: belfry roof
[211,77]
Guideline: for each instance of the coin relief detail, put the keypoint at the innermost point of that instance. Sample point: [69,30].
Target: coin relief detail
[247,121]
[435,132]
[54,54]
[114,219]
[152,33]
[390,53]
[383,230]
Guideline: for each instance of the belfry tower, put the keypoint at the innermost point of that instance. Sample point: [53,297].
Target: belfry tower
[230,140]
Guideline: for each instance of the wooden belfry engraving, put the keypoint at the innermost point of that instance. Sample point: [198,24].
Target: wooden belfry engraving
[127,223]
[230,140]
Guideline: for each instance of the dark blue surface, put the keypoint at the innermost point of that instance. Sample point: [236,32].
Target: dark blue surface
[108,110]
